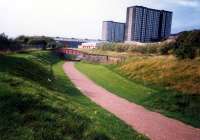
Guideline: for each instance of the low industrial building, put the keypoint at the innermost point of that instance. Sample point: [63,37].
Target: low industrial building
[74,42]
[90,45]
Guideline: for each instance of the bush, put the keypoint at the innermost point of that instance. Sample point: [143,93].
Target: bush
[186,51]
[188,45]
[165,49]
[154,48]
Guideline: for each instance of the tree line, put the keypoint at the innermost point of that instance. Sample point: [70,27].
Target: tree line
[26,42]
[8,43]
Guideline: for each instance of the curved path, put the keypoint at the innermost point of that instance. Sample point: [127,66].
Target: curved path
[152,124]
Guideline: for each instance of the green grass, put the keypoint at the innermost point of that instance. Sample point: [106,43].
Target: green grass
[38,102]
[170,103]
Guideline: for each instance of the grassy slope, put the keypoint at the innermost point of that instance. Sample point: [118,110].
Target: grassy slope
[100,52]
[183,107]
[37,103]
[181,75]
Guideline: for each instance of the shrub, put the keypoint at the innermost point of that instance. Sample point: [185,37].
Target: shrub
[121,48]
[166,48]
[185,51]
[188,45]
[154,48]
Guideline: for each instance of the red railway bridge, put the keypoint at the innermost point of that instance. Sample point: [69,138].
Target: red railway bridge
[71,54]
[70,51]
[76,55]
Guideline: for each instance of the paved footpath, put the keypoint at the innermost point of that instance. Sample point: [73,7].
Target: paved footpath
[152,124]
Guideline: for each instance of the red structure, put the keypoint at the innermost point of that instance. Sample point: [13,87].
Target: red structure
[69,51]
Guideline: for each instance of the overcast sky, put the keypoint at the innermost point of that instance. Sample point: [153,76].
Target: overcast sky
[83,18]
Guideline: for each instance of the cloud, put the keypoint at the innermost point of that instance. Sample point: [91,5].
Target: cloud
[188,3]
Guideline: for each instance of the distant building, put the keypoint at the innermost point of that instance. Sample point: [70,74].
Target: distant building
[147,25]
[113,31]
[89,45]
[73,42]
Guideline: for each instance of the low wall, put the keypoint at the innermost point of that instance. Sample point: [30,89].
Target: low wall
[102,58]
[96,58]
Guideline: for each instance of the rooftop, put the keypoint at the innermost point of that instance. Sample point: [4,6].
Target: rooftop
[149,8]
[114,22]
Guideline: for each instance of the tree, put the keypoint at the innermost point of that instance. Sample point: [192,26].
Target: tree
[22,39]
[8,44]
[4,41]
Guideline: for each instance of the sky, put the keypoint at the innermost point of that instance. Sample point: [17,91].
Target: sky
[83,18]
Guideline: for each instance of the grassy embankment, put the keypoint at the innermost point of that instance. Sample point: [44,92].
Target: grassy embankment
[180,75]
[40,103]
[102,52]
[132,81]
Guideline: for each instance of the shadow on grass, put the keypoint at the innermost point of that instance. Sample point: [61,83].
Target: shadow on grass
[49,57]
[66,86]
[24,115]
[32,115]
[53,111]
[28,69]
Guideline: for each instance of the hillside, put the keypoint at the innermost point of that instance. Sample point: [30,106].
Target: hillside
[170,75]
[162,84]
[167,71]
[38,102]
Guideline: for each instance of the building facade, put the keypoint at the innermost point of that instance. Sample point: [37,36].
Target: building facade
[90,45]
[113,31]
[147,25]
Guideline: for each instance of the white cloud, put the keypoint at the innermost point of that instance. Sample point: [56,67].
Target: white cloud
[188,3]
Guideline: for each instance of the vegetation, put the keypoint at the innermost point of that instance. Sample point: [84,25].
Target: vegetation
[37,41]
[38,102]
[188,45]
[166,71]
[154,48]
[8,43]
[184,107]
[22,43]
[151,66]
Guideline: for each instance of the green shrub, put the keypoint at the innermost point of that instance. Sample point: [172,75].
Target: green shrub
[156,48]
[186,51]
[188,45]
[165,49]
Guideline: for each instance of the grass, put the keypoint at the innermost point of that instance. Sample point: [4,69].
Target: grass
[38,102]
[101,52]
[128,49]
[180,75]
[170,103]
